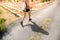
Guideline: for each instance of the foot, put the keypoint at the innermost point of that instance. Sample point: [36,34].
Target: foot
[22,24]
[30,19]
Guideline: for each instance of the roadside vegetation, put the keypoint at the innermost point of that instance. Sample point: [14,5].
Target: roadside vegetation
[44,1]
[0,11]
[2,24]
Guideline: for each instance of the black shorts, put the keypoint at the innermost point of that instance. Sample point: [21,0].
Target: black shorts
[26,10]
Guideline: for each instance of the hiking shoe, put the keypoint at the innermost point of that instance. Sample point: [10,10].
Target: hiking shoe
[22,24]
[30,19]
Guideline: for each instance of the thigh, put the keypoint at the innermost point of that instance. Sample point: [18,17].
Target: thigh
[24,13]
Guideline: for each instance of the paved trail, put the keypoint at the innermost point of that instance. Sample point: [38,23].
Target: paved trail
[16,32]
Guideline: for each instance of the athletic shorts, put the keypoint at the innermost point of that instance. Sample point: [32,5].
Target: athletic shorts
[26,10]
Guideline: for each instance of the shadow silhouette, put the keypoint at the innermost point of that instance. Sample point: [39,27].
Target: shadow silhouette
[2,33]
[36,28]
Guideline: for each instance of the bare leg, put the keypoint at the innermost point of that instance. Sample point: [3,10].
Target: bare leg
[23,19]
[24,16]
[29,13]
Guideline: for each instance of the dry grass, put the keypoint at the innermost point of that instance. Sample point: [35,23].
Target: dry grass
[36,36]
[8,16]
[45,23]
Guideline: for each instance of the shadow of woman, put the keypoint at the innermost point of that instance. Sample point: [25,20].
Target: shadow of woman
[36,28]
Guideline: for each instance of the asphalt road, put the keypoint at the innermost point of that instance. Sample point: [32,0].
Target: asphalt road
[16,32]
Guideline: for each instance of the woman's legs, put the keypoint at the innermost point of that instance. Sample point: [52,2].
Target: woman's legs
[29,13]
[23,19]
[24,16]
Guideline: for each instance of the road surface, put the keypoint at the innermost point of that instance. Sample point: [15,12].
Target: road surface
[16,32]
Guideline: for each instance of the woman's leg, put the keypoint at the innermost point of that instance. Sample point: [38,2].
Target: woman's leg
[23,19]
[29,13]
[24,16]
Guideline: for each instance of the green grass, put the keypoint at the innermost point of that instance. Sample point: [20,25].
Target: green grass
[2,20]
[2,24]
[44,1]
